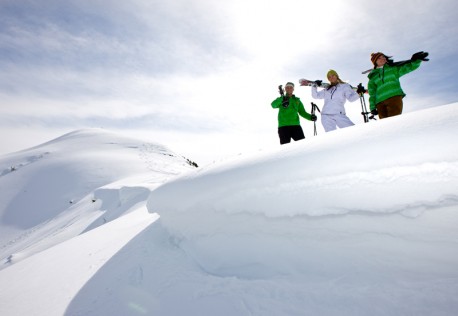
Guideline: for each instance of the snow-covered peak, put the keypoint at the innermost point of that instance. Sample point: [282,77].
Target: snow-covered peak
[88,177]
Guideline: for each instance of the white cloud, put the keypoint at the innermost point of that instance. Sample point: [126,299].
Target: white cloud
[203,64]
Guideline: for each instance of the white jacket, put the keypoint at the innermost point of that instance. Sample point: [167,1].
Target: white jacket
[335,98]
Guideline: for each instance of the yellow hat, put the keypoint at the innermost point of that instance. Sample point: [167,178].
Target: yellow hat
[332,72]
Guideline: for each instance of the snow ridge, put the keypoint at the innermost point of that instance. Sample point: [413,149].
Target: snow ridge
[361,221]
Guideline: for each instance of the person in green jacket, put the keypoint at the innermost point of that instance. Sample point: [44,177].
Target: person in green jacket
[385,92]
[289,108]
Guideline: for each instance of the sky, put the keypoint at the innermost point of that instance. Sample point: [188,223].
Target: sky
[124,227]
[200,75]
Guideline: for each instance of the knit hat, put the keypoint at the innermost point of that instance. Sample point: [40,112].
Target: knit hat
[289,84]
[375,56]
[331,73]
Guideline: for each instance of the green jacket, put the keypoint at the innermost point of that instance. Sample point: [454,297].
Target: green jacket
[384,82]
[289,116]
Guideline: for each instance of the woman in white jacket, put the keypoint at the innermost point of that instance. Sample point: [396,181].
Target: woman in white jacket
[335,95]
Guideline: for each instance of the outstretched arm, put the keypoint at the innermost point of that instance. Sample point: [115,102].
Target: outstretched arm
[316,94]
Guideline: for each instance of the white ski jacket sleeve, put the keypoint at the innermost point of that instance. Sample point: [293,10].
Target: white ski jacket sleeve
[335,98]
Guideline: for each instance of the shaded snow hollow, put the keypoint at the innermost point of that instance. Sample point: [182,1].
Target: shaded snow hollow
[360,221]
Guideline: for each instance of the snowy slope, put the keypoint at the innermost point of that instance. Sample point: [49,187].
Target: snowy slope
[59,189]
[355,222]
[339,172]
[360,221]
[45,284]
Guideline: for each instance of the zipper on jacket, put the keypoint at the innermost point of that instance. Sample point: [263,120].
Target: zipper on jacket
[332,93]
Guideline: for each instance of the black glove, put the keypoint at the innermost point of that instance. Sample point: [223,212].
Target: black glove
[318,82]
[313,117]
[285,102]
[360,89]
[374,112]
[420,56]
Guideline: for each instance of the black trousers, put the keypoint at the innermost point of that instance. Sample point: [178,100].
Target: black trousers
[287,132]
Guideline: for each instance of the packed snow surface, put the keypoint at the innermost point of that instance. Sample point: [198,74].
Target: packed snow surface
[359,221]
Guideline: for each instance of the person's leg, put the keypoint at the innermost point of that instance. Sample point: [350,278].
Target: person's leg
[394,106]
[284,134]
[390,107]
[343,121]
[381,109]
[328,122]
[297,133]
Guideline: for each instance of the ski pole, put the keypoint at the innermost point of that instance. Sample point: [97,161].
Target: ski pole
[364,112]
[363,108]
[314,106]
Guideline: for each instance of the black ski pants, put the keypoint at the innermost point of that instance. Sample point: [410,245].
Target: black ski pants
[287,132]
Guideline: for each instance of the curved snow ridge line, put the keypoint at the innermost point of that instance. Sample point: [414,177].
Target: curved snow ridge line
[438,172]
[425,184]
[157,158]
[66,225]
[411,210]
[101,207]
[26,161]
[24,235]
[218,221]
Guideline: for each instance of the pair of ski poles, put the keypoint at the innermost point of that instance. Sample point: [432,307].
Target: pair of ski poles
[364,111]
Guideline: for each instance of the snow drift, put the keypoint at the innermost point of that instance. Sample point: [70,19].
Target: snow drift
[360,221]
[360,212]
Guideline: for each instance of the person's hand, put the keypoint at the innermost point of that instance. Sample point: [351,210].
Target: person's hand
[420,56]
[374,112]
[318,82]
[313,117]
[304,82]
[360,90]
[285,102]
